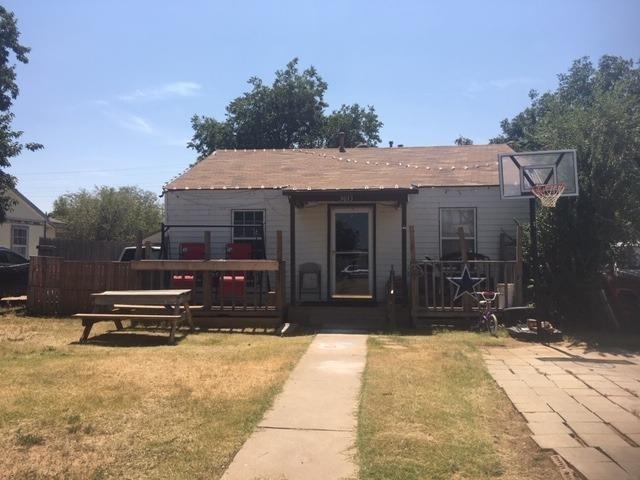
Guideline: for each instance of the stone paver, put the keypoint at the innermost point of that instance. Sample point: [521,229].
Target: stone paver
[582,455]
[532,407]
[542,417]
[555,440]
[546,428]
[627,457]
[590,427]
[601,471]
[603,440]
[309,433]
[629,403]
[585,405]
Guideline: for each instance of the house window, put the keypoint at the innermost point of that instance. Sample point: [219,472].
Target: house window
[20,240]
[451,219]
[248,227]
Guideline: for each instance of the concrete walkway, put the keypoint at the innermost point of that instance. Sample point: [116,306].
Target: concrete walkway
[310,431]
[585,405]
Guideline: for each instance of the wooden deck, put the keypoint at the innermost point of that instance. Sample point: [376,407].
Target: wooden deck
[434,295]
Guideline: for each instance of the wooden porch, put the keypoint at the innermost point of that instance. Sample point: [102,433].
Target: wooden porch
[433,296]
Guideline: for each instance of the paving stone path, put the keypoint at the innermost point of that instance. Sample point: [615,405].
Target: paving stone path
[583,404]
[310,431]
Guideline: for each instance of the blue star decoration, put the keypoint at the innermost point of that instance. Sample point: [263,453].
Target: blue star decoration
[465,283]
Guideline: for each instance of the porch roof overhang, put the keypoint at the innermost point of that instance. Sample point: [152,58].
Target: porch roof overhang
[300,197]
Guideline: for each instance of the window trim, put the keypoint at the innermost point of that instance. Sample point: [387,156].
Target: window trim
[25,245]
[475,228]
[233,224]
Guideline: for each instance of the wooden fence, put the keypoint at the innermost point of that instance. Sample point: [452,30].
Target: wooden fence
[225,288]
[83,250]
[61,287]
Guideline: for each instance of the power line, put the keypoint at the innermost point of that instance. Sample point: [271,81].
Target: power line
[61,172]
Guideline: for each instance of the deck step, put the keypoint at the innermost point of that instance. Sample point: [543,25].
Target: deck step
[330,316]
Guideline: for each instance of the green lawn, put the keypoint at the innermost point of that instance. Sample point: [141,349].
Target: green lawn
[145,411]
[430,410]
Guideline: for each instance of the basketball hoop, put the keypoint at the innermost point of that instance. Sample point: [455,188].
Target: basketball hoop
[548,193]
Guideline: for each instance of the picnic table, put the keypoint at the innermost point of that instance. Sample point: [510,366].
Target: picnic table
[13,301]
[170,306]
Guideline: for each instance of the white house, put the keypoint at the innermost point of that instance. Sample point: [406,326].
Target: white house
[24,225]
[346,211]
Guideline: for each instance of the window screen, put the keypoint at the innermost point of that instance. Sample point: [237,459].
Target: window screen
[451,219]
[249,227]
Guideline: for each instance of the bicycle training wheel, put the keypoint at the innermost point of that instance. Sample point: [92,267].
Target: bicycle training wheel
[492,325]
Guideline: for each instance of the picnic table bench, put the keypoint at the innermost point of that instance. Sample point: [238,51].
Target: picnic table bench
[12,301]
[171,306]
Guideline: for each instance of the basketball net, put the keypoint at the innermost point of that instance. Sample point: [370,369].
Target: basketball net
[548,194]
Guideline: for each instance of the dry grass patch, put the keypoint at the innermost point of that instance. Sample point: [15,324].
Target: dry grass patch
[89,411]
[430,410]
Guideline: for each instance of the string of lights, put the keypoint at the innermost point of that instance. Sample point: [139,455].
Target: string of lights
[322,154]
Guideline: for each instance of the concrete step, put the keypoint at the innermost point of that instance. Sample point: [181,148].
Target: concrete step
[338,317]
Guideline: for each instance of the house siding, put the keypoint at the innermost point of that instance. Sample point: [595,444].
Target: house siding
[493,216]
[214,207]
[24,215]
[201,207]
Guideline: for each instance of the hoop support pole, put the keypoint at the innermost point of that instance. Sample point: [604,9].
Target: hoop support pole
[533,230]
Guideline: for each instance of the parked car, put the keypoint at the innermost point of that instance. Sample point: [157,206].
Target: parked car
[9,257]
[129,253]
[14,273]
[622,285]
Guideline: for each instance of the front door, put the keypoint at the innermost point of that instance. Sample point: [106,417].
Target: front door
[351,254]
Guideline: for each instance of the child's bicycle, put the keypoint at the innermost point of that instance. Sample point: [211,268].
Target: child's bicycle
[487,321]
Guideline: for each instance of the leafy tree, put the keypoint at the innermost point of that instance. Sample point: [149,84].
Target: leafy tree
[10,49]
[595,110]
[288,113]
[360,125]
[463,141]
[210,134]
[107,213]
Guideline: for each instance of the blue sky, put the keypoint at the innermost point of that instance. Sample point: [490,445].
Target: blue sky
[111,86]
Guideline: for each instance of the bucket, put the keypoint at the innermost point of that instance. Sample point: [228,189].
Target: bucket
[502,290]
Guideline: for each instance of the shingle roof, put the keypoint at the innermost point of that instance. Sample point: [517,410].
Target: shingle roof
[355,169]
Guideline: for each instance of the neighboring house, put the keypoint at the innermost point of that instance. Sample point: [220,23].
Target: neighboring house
[24,226]
[346,211]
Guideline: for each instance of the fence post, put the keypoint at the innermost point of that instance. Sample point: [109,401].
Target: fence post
[35,281]
[207,285]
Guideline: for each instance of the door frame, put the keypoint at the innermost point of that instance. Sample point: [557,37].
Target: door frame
[372,254]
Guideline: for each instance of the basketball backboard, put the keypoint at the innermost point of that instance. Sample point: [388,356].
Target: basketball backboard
[520,172]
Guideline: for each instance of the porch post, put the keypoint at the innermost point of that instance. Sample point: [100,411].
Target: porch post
[403,204]
[292,250]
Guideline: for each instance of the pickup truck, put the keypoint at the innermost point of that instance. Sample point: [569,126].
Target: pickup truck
[129,253]
[622,285]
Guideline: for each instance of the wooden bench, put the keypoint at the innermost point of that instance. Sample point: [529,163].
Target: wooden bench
[89,319]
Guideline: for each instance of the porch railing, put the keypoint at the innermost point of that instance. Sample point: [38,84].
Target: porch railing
[434,294]
[390,299]
[251,288]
